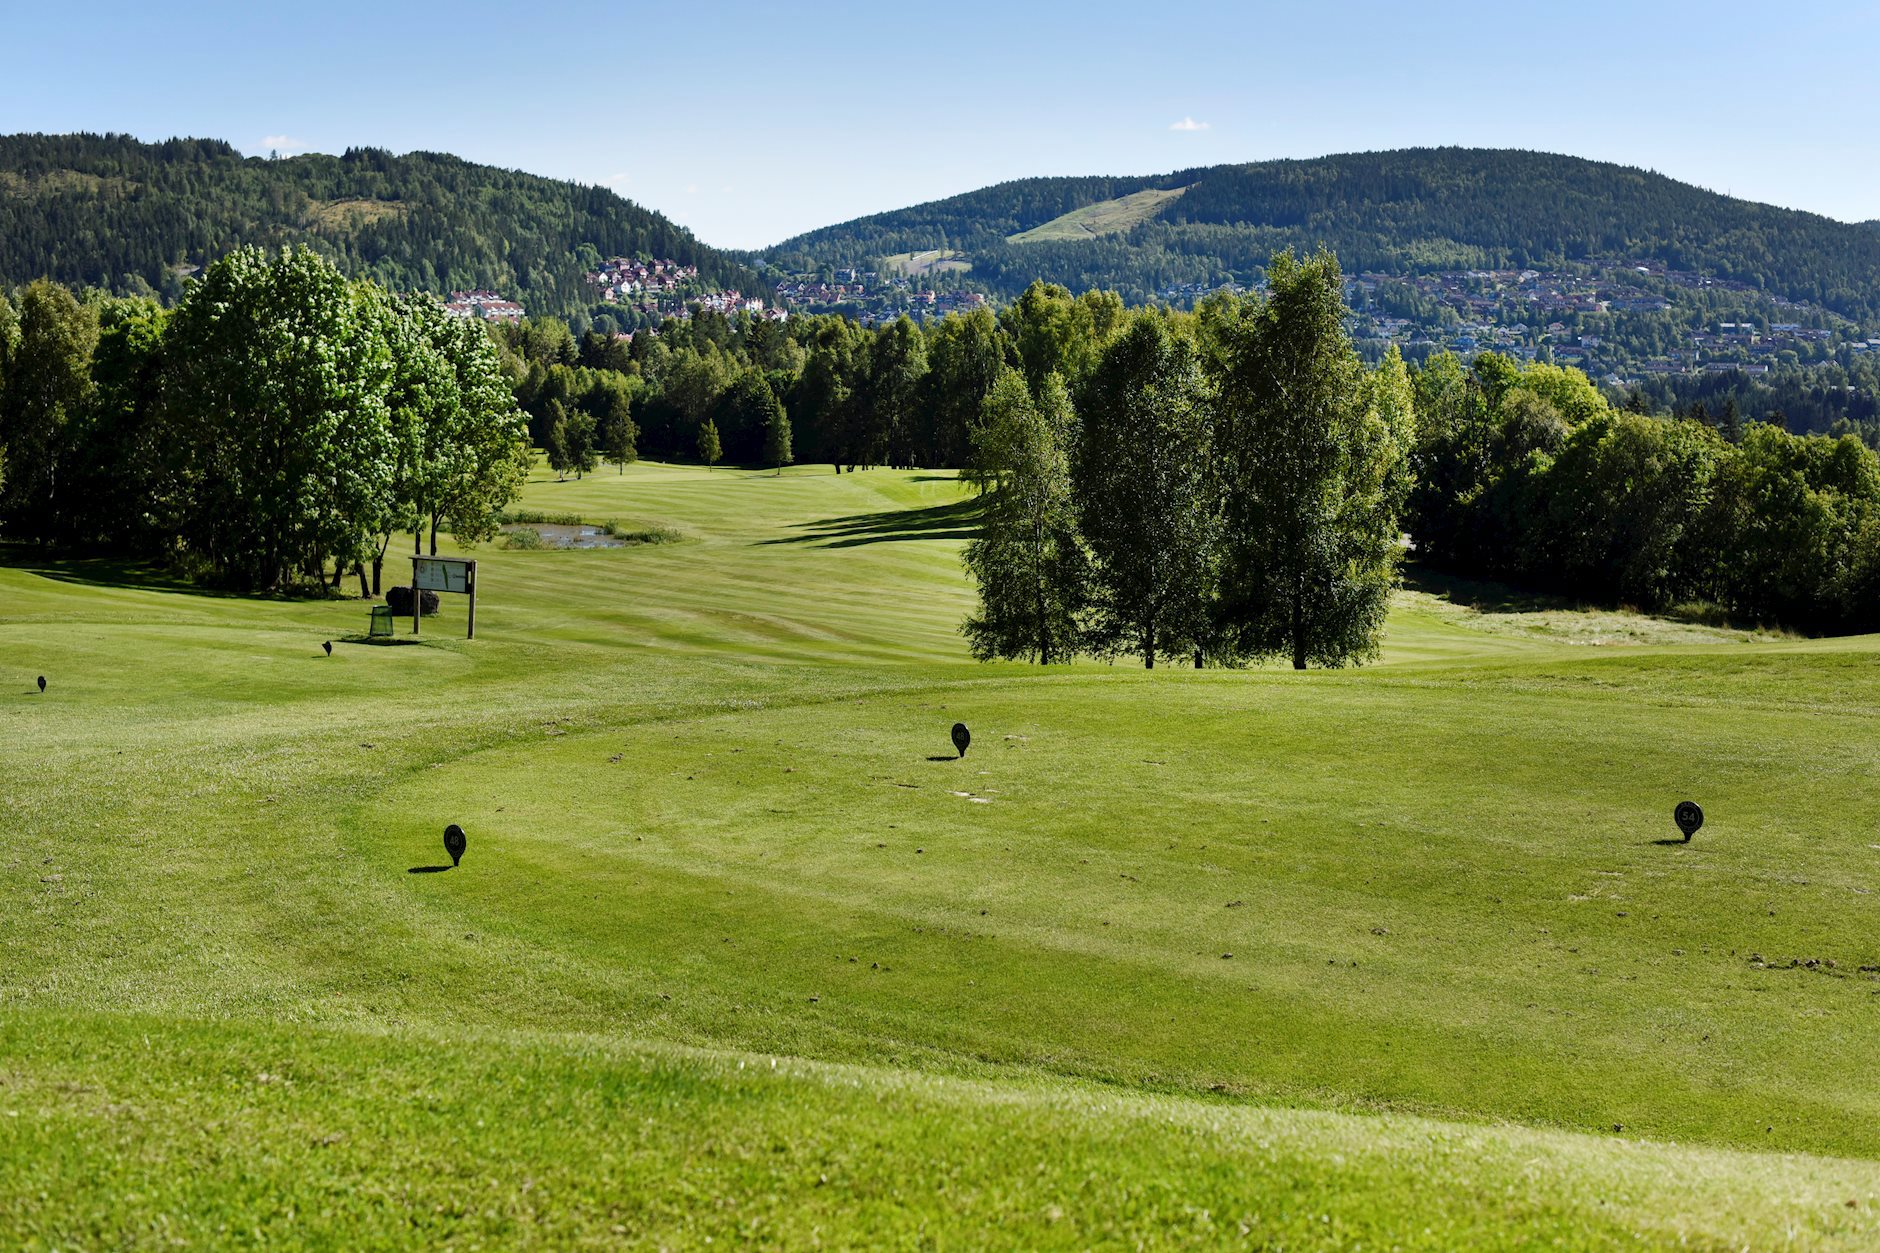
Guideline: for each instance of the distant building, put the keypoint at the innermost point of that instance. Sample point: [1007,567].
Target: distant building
[486,305]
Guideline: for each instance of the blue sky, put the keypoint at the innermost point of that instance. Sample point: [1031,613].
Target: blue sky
[749,122]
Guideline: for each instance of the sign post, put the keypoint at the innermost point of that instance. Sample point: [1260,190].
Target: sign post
[443,574]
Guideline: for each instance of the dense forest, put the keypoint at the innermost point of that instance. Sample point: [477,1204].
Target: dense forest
[111,212]
[1409,211]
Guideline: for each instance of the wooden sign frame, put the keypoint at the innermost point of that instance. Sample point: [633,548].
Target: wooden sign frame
[443,574]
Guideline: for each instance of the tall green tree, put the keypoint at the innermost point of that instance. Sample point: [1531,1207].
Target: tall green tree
[615,430]
[114,462]
[555,440]
[1317,471]
[1054,332]
[1148,498]
[777,434]
[744,414]
[579,432]
[1027,560]
[48,384]
[883,409]
[277,399]
[820,399]
[965,357]
[9,344]
[710,449]
[461,442]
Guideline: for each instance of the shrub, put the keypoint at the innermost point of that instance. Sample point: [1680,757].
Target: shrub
[640,535]
[526,537]
[399,598]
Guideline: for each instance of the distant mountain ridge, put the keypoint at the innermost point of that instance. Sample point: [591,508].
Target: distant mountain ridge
[1412,211]
[116,212]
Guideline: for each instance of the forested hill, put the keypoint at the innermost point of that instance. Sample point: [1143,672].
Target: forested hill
[1412,211]
[111,211]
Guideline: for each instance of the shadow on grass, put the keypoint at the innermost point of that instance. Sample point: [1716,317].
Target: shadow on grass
[108,572]
[958,520]
[1672,842]
[943,759]
[429,869]
[1481,595]
[137,575]
[386,641]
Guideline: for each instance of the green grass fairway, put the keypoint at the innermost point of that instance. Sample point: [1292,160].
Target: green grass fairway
[1403,956]
[1107,217]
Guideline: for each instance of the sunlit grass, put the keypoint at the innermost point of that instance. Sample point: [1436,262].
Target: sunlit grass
[715,822]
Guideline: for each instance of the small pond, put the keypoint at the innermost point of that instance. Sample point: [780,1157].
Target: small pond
[563,535]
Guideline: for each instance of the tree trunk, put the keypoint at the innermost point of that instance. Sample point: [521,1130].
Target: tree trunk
[1148,649]
[378,569]
[1038,589]
[1299,625]
[359,568]
[434,535]
[1198,657]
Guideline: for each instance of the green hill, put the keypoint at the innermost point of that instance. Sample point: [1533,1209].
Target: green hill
[110,211]
[1410,211]
[1393,957]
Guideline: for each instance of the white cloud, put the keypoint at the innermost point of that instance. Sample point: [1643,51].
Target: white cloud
[282,143]
[617,180]
[1188,124]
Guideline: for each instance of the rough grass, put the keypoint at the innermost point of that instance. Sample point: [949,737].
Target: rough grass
[339,217]
[1502,610]
[1107,217]
[930,261]
[739,950]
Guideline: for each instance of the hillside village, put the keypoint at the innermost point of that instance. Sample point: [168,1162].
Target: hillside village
[666,289]
[1618,319]
[869,298]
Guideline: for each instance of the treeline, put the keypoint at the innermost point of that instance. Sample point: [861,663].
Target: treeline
[111,212]
[281,421]
[819,388]
[1837,397]
[1527,474]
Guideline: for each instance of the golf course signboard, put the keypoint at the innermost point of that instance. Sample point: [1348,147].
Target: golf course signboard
[444,574]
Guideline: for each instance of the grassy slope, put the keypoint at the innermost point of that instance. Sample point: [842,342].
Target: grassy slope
[707,837]
[932,260]
[1111,217]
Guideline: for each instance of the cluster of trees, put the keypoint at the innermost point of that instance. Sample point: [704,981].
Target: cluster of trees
[1527,474]
[111,212]
[756,392]
[1225,485]
[281,420]
[1838,397]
